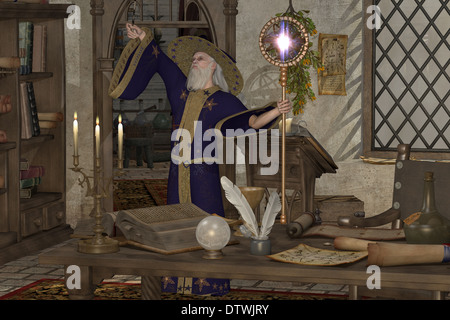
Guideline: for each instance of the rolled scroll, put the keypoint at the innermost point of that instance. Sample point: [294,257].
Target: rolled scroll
[296,228]
[385,254]
[395,254]
[351,244]
[10,62]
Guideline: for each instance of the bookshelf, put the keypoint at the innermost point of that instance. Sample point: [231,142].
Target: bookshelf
[40,220]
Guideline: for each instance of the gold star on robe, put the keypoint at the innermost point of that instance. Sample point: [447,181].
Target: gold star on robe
[166,281]
[155,51]
[209,104]
[201,283]
[184,95]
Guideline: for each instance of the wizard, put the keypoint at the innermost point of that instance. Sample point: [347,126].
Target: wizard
[202,84]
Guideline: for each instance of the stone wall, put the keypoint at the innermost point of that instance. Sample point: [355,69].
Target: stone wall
[79,98]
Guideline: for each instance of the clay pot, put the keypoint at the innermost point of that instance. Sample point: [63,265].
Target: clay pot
[3,136]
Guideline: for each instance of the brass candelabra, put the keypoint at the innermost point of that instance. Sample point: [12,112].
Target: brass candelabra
[99,243]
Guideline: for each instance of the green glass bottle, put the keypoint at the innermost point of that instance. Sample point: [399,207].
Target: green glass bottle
[428,226]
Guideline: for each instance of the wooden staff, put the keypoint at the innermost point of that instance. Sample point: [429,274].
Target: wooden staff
[283,64]
[283,82]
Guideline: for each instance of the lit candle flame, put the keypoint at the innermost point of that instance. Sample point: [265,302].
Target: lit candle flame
[75,116]
[120,118]
[97,121]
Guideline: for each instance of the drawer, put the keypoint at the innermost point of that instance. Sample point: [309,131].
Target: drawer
[54,215]
[31,221]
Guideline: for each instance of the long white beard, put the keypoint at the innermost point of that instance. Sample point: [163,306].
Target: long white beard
[197,78]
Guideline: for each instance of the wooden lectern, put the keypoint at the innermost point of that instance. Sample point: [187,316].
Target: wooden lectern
[306,160]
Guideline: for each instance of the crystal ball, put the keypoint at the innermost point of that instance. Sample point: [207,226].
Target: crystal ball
[213,233]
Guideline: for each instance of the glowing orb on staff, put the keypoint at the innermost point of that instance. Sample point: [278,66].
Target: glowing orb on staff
[283,42]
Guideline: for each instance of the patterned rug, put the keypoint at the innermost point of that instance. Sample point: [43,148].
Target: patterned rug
[133,194]
[158,190]
[54,289]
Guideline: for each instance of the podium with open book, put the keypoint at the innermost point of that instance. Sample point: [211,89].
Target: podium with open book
[306,161]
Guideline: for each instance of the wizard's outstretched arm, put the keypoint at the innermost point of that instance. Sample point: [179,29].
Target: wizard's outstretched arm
[138,63]
[259,121]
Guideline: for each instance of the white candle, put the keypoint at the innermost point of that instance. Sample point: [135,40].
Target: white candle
[288,125]
[97,139]
[120,135]
[75,135]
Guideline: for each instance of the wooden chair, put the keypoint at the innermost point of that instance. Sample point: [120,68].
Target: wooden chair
[408,191]
[140,138]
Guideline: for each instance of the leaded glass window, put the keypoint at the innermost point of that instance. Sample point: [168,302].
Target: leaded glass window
[411,79]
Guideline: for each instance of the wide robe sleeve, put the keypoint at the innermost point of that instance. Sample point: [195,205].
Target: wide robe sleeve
[229,126]
[138,63]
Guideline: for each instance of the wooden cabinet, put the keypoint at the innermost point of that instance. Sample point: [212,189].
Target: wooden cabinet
[28,217]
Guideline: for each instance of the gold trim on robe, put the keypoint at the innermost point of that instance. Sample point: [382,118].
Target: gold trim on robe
[194,105]
[136,47]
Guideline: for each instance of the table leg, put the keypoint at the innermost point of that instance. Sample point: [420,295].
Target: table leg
[150,288]
[437,295]
[352,292]
[80,285]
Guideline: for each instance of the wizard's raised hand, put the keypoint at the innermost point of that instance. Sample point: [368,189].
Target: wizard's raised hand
[133,31]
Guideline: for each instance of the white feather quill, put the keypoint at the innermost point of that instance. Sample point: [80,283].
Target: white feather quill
[235,196]
[272,209]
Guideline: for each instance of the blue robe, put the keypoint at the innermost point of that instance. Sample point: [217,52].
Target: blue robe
[138,65]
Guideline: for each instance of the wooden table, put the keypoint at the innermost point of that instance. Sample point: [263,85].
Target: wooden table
[238,263]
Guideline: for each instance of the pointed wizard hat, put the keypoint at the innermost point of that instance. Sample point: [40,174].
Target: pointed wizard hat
[181,50]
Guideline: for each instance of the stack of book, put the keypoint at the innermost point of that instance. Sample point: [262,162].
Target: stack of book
[29,115]
[32,47]
[8,64]
[30,179]
[50,120]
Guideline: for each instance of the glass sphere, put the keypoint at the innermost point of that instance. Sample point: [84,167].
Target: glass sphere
[213,233]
